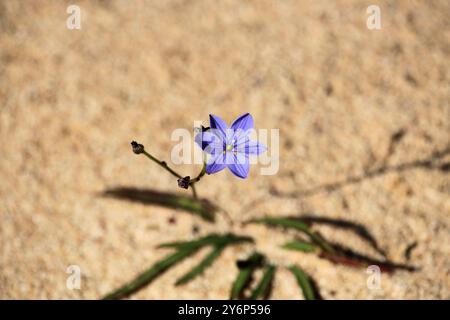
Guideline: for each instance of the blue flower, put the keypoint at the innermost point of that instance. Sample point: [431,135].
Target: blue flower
[229,147]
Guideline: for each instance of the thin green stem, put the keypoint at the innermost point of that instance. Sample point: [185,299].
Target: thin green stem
[173,172]
[194,192]
[162,164]
[197,179]
[200,175]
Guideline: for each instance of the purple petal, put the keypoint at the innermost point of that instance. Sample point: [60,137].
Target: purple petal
[241,138]
[216,163]
[218,124]
[203,139]
[243,123]
[250,147]
[208,141]
[255,147]
[240,167]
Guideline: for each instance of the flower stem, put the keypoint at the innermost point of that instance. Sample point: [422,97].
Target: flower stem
[197,179]
[200,175]
[139,148]
[194,192]
[162,164]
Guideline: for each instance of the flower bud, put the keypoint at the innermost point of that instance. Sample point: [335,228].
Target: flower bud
[184,182]
[137,147]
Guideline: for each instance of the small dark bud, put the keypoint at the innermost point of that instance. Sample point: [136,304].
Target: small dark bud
[137,147]
[184,182]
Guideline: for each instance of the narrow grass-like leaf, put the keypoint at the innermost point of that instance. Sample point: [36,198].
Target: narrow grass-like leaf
[230,238]
[181,245]
[304,282]
[205,263]
[211,239]
[301,246]
[146,277]
[283,222]
[184,249]
[246,268]
[263,286]
[297,225]
[241,282]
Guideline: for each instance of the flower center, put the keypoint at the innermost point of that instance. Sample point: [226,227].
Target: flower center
[228,147]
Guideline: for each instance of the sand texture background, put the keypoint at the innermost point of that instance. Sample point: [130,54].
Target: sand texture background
[347,100]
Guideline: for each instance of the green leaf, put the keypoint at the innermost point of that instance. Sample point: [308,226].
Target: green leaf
[205,263]
[297,225]
[184,249]
[300,246]
[283,222]
[304,282]
[241,282]
[211,239]
[182,245]
[243,278]
[263,286]
[146,277]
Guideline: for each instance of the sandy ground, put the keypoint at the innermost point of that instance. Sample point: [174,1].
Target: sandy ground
[347,101]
